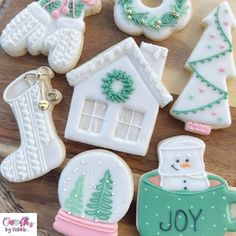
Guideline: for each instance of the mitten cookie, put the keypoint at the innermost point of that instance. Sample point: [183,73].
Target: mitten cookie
[95,192]
[180,198]
[32,99]
[52,27]
[203,105]
[157,23]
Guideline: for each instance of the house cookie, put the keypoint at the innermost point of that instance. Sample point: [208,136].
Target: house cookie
[32,99]
[204,105]
[52,27]
[95,192]
[158,23]
[112,112]
[180,198]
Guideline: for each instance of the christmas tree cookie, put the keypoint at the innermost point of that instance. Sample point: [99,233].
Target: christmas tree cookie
[95,192]
[180,198]
[51,27]
[203,105]
[157,23]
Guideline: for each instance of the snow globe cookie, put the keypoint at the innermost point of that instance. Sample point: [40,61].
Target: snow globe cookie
[111,113]
[204,105]
[181,198]
[51,27]
[157,23]
[95,192]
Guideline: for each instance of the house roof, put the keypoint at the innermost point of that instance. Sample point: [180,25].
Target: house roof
[143,64]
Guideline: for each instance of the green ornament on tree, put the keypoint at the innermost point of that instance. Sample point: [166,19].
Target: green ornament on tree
[100,203]
[127,86]
[74,203]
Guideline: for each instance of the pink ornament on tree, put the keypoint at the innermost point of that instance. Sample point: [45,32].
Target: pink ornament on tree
[56,14]
[91,2]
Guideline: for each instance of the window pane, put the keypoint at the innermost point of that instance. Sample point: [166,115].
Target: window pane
[100,109]
[138,119]
[133,134]
[125,115]
[88,107]
[121,131]
[84,122]
[96,125]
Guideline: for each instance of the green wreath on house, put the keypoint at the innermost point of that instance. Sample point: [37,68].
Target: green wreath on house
[127,86]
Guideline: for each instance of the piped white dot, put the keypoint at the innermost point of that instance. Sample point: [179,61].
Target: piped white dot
[224,197]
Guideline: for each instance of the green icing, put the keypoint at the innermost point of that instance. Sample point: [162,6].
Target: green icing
[118,96]
[193,64]
[161,212]
[168,19]
[75,9]
[74,203]
[100,203]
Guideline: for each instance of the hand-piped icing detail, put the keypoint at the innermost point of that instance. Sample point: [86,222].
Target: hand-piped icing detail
[123,93]
[169,208]
[209,74]
[133,17]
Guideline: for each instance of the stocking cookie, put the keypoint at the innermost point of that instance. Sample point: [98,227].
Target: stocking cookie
[95,192]
[180,198]
[133,17]
[111,113]
[203,105]
[32,99]
[53,27]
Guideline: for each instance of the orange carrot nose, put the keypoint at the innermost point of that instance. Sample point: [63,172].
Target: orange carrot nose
[185,165]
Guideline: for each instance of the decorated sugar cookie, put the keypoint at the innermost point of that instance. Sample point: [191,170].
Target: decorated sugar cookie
[32,98]
[180,198]
[95,192]
[203,105]
[52,27]
[112,112]
[134,18]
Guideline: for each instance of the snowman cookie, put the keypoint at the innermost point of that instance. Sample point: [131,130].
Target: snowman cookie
[180,198]
[134,18]
[52,27]
[95,192]
[204,105]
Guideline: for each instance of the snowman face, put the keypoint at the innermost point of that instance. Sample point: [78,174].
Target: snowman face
[181,162]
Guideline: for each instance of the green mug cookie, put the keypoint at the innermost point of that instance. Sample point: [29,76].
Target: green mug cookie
[180,198]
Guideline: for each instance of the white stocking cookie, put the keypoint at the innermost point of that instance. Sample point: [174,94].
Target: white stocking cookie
[32,99]
[180,198]
[95,192]
[133,17]
[112,112]
[54,27]
[203,105]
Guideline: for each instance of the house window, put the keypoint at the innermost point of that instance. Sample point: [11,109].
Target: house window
[92,116]
[129,125]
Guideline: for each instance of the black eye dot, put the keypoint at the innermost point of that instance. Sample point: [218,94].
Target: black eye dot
[187,160]
[177,160]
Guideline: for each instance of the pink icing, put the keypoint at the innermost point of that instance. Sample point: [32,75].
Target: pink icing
[213,113]
[198,128]
[91,2]
[222,69]
[212,36]
[201,90]
[70,225]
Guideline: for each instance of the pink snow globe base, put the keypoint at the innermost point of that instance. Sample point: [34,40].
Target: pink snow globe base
[70,225]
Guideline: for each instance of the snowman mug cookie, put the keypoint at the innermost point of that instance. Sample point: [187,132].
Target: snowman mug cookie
[134,18]
[180,198]
[95,192]
[51,27]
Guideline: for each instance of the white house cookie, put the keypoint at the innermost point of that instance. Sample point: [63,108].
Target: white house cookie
[95,192]
[203,105]
[52,27]
[158,23]
[32,98]
[181,198]
[120,108]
